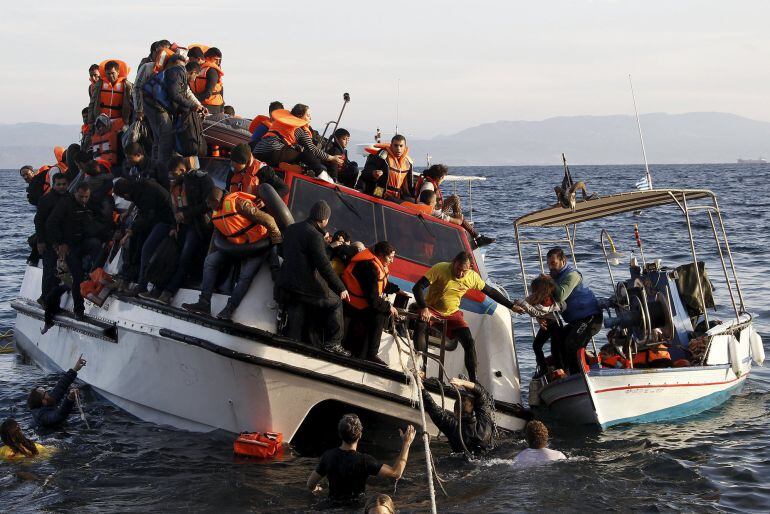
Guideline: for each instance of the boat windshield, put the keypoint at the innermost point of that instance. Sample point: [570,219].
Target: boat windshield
[416,239]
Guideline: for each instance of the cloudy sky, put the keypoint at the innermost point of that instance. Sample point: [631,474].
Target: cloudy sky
[458,64]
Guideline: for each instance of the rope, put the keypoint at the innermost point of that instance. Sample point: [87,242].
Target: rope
[80,408]
[425,435]
[7,347]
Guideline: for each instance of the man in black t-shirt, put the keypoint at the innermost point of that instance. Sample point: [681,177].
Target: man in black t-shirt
[347,469]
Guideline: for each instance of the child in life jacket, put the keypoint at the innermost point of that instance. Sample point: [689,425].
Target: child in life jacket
[542,305]
[17,446]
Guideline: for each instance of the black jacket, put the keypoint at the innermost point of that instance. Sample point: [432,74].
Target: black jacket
[35,188]
[45,207]
[347,175]
[478,428]
[71,223]
[367,183]
[366,274]
[153,205]
[197,185]
[56,414]
[147,169]
[102,203]
[306,269]
[175,82]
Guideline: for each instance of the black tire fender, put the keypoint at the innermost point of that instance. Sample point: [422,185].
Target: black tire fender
[274,206]
[222,244]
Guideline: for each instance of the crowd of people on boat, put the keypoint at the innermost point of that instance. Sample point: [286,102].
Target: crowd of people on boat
[132,194]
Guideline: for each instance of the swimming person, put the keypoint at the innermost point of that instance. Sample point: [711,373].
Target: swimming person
[380,504]
[347,469]
[16,445]
[536,434]
[50,409]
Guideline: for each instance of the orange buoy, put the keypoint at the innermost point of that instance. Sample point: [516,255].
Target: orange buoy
[262,445]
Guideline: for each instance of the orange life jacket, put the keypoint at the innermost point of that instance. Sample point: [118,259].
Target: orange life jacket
[234,226]
[357,298]
[283,127]
[107,164]
[260,120]
[46,169]
[105,146]
[421,208]
[198,86]
[398,167]
[439,197]
[612,361]
[246,180]
[111,95]
[645,357]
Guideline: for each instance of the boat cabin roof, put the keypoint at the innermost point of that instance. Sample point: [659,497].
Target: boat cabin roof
[605,206]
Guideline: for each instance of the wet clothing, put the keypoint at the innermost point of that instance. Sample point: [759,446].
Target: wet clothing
[535,456]
[477,428]
[347,471]
[54,415]
[43,452]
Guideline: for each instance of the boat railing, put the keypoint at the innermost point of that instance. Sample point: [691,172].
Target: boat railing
[441,345]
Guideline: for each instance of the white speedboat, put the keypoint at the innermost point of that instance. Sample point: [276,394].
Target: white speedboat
[169,366]
[709,361]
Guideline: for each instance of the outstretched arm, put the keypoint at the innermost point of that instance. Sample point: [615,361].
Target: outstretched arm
[497,296]
[397,469]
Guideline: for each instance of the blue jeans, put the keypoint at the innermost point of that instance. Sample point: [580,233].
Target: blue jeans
[158,233]
[216,260]
[192,244]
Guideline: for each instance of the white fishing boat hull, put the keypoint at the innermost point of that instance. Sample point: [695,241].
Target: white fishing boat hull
[608,397]
[195,376]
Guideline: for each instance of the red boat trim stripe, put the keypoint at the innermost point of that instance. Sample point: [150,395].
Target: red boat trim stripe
[667,385]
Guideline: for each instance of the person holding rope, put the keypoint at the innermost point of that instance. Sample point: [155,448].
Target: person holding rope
[471,426]
[51,409]
[447,283]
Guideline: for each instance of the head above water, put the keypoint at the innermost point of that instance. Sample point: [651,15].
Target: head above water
[350,428]
[536,434]
[556,260]
[39,397]
[14,438]
[398,145]
[461,265]
[380,504]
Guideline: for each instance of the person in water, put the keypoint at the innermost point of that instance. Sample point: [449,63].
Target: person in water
[50,409]
[347,469]
[447,283]
[582,314]
[536,434]
[475,430]
[16,445]
[380,504]
[541,304]
[388,172]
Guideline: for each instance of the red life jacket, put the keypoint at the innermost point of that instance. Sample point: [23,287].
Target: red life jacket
[612,361]
[357,298]
[236,227]
[645,357]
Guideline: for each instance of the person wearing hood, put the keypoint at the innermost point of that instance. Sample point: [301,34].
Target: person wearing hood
[475,429]
[345,173]
[189,193]
[582,316]
[307,282]
[388,171]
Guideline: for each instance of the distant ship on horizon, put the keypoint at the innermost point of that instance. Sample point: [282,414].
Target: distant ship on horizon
[753,161]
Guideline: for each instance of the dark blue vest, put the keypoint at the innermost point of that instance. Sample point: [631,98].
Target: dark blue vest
[581,302]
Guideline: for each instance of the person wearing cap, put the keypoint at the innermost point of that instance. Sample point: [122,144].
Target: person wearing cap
[475,430]
[345,173]
[307,285]
[290,140]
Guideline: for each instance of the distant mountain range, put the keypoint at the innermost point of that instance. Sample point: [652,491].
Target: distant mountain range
[701,137]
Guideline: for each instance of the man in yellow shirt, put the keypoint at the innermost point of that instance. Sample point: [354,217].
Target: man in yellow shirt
[447,283]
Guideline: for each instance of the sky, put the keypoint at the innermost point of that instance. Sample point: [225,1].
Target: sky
[431,67]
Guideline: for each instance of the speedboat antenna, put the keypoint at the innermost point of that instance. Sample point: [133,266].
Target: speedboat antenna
[398,98]
[648,177]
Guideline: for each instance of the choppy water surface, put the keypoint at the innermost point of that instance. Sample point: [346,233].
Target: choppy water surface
[719,460]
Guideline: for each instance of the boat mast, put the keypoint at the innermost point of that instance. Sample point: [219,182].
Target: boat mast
[641,137]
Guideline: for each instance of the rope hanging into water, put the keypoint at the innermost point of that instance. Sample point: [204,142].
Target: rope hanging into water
[7,347]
